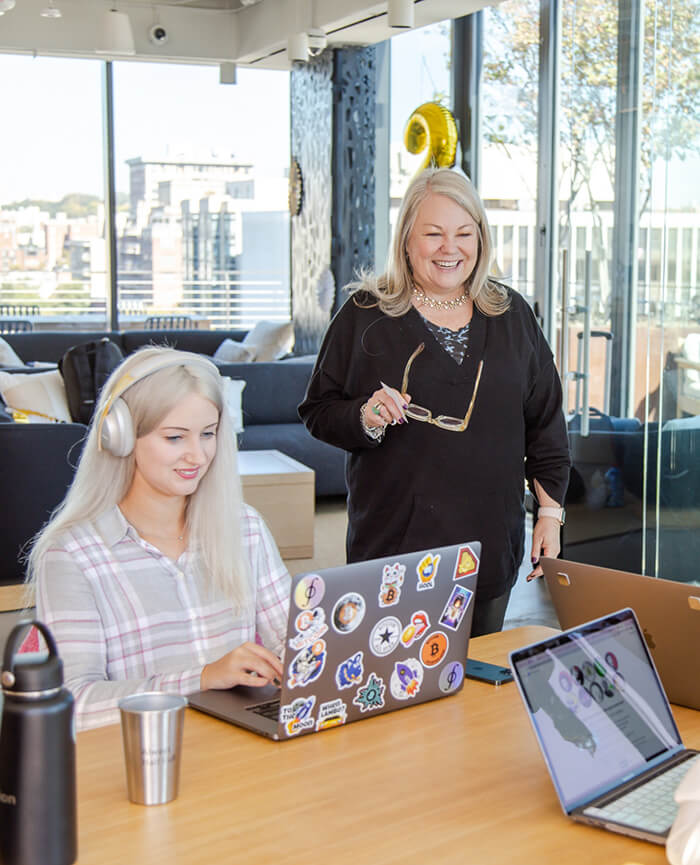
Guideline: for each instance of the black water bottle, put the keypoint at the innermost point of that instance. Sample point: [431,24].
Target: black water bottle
[38,820]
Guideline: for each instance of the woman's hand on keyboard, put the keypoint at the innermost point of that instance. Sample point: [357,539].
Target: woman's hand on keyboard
[249,664]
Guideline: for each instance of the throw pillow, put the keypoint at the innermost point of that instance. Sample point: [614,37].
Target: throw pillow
[41,396]
[231,351]
[270,339]
[233,394]
[8,356]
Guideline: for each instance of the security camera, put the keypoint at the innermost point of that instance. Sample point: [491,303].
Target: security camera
[158,34]
[317,42]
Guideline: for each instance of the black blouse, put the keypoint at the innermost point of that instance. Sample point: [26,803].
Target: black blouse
[423,486]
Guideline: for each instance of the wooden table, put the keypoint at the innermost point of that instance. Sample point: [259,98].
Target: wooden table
[460,780]
[282,490]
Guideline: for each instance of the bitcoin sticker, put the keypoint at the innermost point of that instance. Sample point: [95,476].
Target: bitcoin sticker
[348,612]
[309,591]
[434,648]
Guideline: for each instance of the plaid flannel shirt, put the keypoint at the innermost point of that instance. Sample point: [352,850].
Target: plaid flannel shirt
[127,618]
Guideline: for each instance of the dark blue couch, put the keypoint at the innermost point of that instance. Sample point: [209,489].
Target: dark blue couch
[269,404]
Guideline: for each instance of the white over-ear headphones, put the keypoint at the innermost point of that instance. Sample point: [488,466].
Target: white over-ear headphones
[115,427]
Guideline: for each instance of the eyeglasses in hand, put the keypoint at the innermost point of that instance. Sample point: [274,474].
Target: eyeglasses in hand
[417,412]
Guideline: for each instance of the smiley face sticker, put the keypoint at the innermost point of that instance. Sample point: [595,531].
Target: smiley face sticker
[434,648]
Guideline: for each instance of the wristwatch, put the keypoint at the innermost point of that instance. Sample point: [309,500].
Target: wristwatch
[557,513]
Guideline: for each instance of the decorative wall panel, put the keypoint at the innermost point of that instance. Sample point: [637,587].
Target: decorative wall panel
[354,101]
[311,97]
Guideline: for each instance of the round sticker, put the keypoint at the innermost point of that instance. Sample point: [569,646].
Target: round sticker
[348,612]
[309,591]
[433,649]
[451,677]
[406,679]
[385,636]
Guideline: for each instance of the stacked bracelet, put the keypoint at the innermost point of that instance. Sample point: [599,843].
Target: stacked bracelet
[376,433]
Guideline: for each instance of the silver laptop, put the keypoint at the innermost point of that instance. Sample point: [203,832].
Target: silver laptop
[605,726]
[668,611]
[363,639]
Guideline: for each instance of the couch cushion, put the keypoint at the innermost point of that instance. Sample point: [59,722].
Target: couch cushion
[41,396]
[232,351]
[8,356]
[271,339]
[233,391]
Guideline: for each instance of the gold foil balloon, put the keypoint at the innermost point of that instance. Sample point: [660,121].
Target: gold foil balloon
[432,128]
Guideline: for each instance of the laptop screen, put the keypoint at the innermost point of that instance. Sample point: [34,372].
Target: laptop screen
[597,705]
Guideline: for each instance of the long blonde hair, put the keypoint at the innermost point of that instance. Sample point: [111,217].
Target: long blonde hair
[213,512]
[392,290]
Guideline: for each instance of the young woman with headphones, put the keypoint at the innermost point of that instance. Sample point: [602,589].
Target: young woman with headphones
[152,574]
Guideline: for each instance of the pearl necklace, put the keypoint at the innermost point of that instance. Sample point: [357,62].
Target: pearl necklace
[425,299]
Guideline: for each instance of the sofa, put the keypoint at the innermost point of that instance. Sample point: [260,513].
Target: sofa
[269,400]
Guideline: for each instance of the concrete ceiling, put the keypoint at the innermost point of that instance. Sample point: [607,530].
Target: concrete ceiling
[249,33]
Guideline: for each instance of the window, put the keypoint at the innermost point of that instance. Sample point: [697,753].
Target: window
[201,176]
[420,72]
[52,260]
[509,135]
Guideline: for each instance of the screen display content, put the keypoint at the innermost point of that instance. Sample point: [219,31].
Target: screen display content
[597,706]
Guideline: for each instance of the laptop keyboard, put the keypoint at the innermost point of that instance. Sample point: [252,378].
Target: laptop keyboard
[650,806]
[270,709]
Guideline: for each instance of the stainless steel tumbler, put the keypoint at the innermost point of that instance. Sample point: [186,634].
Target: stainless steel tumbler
[152,725]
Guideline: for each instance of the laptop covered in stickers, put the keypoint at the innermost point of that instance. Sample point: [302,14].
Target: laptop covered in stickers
[363,639]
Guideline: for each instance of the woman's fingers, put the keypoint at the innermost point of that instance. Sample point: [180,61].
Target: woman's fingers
[249,664]
[383,409]
[545,542]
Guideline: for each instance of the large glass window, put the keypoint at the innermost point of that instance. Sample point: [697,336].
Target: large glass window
[52,251]
[509,137]
[202,168]
[420,72]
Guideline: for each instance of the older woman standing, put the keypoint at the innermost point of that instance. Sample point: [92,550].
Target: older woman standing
[439,383]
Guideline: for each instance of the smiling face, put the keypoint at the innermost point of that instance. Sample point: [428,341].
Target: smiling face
[443,246]
[173,458]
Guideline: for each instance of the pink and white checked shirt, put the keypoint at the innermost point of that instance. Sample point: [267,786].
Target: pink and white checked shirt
[127,618]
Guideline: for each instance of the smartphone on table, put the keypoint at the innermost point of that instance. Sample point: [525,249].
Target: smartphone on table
[485,672]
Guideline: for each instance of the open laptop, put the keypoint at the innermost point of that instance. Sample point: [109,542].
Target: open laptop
[363,639]
[604,726]
[668,611]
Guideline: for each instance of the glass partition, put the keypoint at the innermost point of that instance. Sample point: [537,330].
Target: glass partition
[629,223]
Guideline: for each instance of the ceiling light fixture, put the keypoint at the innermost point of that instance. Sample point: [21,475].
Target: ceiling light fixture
[401,14]
[51,11]
[6,6]
[115,35]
